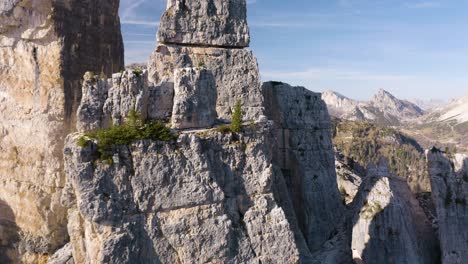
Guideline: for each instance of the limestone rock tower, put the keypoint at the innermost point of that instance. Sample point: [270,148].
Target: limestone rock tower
[45,48]
[214,35]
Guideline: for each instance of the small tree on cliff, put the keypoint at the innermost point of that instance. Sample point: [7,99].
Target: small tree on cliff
[236,123]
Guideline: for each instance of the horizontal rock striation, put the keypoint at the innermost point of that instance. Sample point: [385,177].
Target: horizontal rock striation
[449,178]
[45,48]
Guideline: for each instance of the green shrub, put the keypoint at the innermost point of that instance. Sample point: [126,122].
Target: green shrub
[137,72]
[236,123]
[134,129]
[200,64]
[82,142]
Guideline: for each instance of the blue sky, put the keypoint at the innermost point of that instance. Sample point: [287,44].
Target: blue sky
[412,48]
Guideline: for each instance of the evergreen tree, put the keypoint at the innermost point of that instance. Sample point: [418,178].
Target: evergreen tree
[236,123]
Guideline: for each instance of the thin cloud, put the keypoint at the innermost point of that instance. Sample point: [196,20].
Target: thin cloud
[423,4]
[130,10]
[336,74]
[277,25]
[141,23]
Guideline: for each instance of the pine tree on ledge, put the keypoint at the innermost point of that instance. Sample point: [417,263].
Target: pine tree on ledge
[236,123]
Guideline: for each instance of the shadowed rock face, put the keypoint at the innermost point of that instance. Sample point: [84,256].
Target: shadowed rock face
[388,225]
[9,234]
[45,48]
[449,178]
[305,155]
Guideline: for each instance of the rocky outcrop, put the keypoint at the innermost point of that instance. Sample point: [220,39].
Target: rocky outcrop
[194,99]
[449,178]
[388,225]
[207,197]
[304,153]
[129,92]
[90,115]
[109,102]
[349,176]
[210,196]
[214,42]
[42,62]
[221,23]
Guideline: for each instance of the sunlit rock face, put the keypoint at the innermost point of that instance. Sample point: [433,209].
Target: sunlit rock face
[221,23]
[449,179]
[213,35]
[208,197]
[107,102]
[195,99]
[388,225]
[45,48]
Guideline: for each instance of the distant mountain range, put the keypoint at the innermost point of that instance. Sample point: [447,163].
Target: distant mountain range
[384,108]
[455,112]
[443,126]
[428,105]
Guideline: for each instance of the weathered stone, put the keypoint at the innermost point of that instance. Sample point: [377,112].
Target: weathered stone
[348,178]
[449,179]
[45,49]
[388,225]
[235,71]
[161,101]
[194,99]
[90,115]
[109,102]
[129,92]
[198,200]
[63,256]
[221,23]
[305,155]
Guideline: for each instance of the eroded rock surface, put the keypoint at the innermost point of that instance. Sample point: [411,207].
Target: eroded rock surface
[220,23]
[305,155]
[449,178]
[235,71]
[109,102]
[42,62]
[210,34]
[388,225]
[348,176]
[194,99]
[208,197]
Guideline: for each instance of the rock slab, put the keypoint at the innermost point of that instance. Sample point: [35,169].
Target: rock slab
[42,62]
[194,99]
[449,179]
[221,23]
[388,225]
